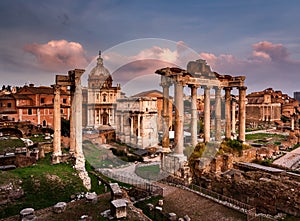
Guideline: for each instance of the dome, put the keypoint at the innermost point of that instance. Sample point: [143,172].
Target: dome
[99,70]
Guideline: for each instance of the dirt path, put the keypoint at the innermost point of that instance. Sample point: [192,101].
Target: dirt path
[183,203]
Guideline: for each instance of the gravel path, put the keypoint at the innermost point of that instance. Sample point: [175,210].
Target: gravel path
[183,203]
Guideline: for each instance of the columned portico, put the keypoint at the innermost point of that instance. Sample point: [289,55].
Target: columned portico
[206,113]
[242,113]
[227,112]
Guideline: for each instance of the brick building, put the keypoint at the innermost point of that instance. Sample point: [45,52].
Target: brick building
[34,104]
[268,106]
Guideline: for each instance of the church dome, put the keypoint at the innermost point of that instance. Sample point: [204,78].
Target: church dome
[99,70]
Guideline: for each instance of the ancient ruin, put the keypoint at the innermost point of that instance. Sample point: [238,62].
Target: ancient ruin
[199,74]
[73,81]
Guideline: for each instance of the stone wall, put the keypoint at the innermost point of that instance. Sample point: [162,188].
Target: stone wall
[269,193]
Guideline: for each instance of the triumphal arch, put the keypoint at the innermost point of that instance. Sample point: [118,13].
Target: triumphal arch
[199,74]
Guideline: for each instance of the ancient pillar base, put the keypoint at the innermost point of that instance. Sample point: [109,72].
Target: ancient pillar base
[55,158]
[82,173]
[139,142]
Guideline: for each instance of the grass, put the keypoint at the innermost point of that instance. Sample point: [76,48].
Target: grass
[100,157]
[44,185]
[148,172]
[264,135]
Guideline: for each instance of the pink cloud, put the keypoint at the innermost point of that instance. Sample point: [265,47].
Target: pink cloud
[266,49]
[58,55]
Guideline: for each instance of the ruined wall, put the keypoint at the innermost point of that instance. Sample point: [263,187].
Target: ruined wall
[270,194]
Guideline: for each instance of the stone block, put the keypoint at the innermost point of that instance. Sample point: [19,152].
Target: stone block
[150,206]
[27,214]
[158,208]
[187,218]
[172,217]
[118,208]
[91,197]
[160,202]
[59,207]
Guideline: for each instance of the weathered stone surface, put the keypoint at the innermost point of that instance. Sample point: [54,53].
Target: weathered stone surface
[172,216]
[160,202]
[118,208]
[59,207]
[187,218]
[91,197]
[27,214]
[269,193]
[85,218]
[150,206]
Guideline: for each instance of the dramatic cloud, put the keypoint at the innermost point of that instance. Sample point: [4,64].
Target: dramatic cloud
[58,55]
[270,51]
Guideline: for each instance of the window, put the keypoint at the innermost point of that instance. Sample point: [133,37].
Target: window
[0,104]
[104,98]
[8,104]
[29,111]
[61,111]
[64,100]
[42,100]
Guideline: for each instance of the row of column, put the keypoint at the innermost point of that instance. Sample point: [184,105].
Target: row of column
[179,114]
[75,118]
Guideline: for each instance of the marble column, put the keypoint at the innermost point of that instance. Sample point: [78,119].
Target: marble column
[194,115]
[78,113]
[227,113]
[72,121]
[139,139]
[242,113]
[56,125]
[206,113]
[165,114]
[179,111]
[233,120]
[218,113]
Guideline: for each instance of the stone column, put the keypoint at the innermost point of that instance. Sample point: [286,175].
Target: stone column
[77,107]
[179,111]
[165,114]
[218,113]
[72,121]
[293,122]
[227,113]
[139,139]
[57,126]
[194,115]
[242,113]
[233,121]
[206,113]
[78,113]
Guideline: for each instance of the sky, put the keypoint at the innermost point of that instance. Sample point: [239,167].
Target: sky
[257,39]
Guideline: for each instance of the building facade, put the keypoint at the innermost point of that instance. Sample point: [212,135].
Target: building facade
[100,97]
[34,104]
[136,121]
[268,106]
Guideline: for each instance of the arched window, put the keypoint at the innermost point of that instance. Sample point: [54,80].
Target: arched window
[104,97]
